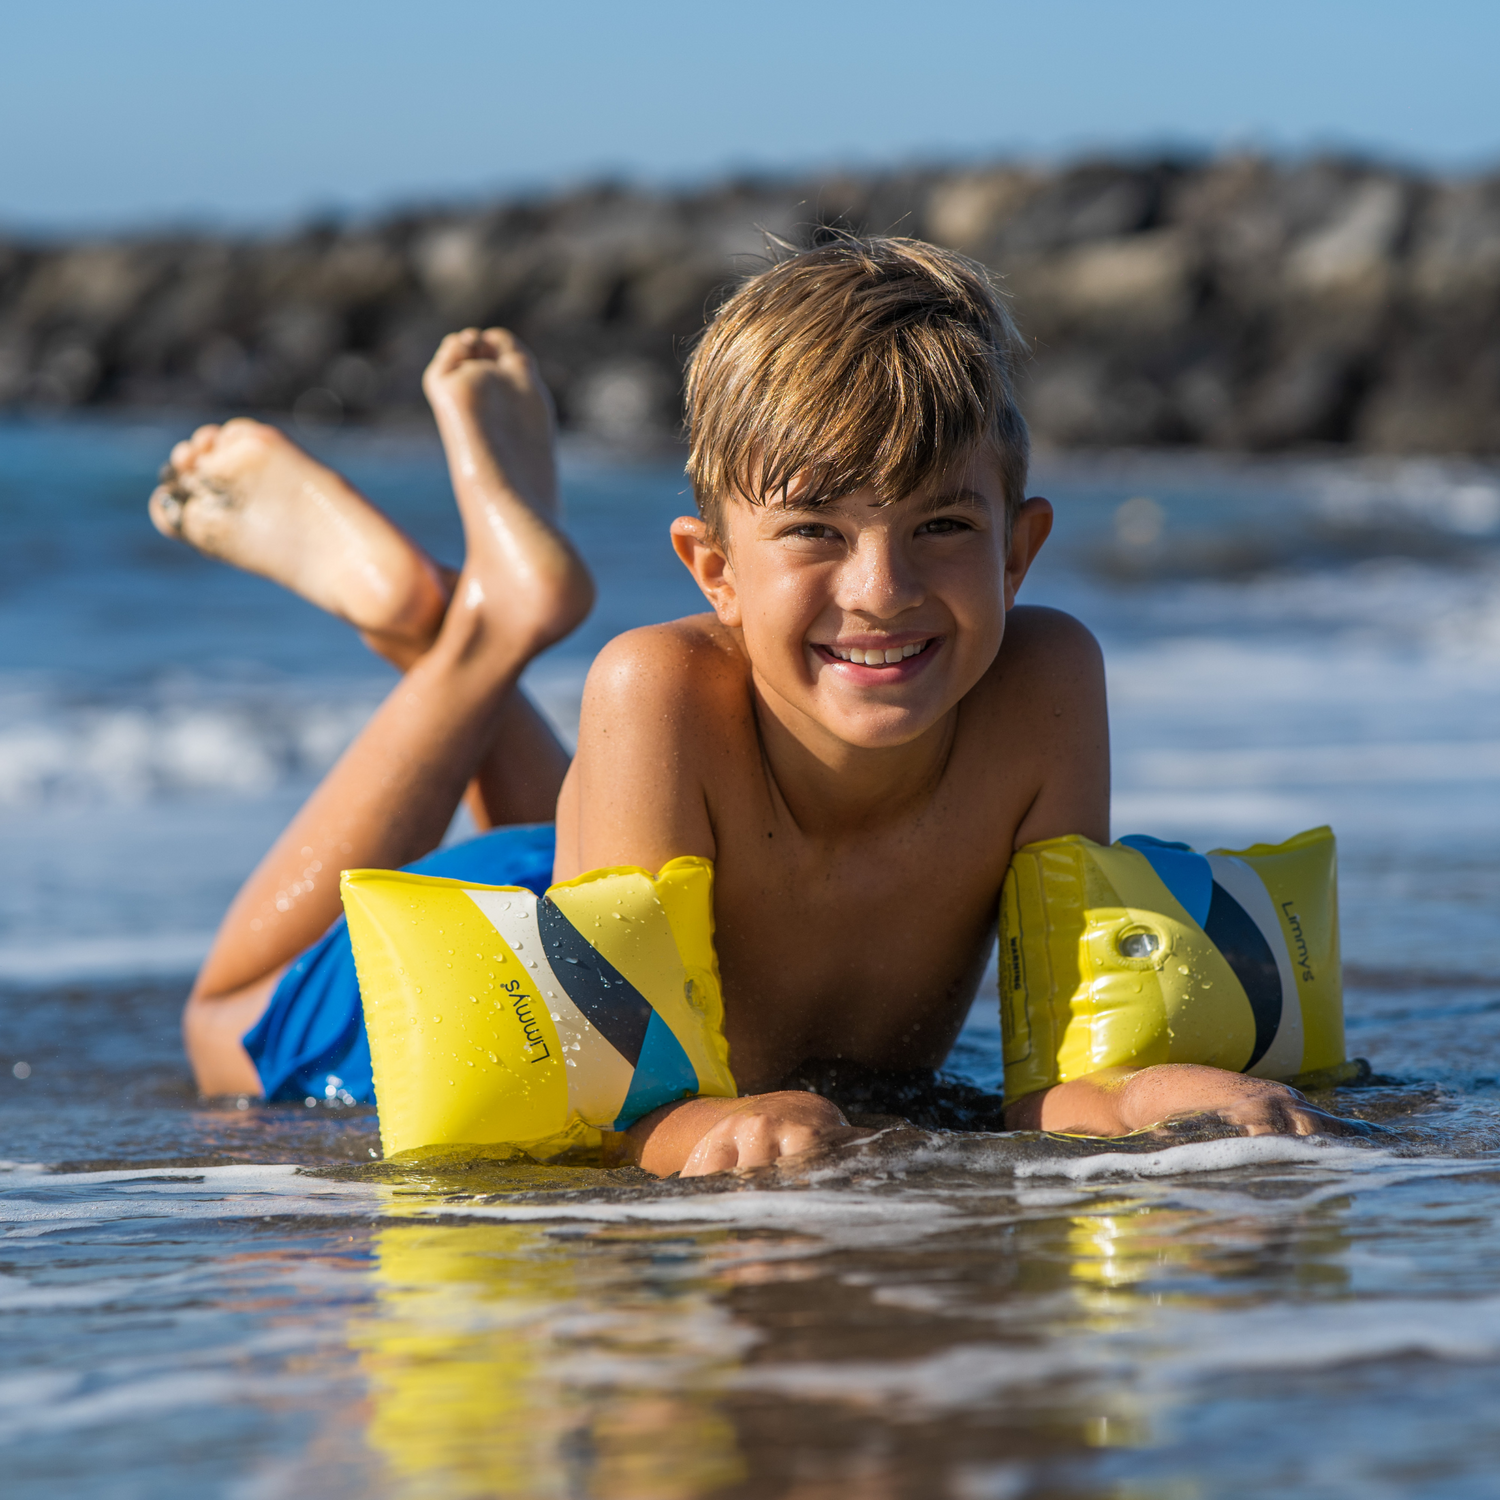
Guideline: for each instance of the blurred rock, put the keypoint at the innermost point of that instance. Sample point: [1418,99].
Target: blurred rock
[1234,302]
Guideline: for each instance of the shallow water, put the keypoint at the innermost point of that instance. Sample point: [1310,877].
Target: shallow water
[215,1300]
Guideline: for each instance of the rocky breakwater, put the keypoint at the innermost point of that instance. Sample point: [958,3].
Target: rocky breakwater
[1235,303]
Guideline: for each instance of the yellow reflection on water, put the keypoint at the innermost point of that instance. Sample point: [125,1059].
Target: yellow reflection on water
[1113,1251]
[1125,1266]
[503,1361]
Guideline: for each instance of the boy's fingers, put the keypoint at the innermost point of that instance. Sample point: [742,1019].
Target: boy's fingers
[1294,1117]
[712,1154]
[756,1138]
[739,1141]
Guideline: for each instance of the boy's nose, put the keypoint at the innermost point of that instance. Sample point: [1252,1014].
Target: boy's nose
[878,579]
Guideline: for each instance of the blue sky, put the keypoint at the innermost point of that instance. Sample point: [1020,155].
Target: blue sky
[135,112]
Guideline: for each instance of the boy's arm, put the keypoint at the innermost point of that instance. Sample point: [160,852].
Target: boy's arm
[654,715]
[1059,675]
[1117,1101]
[635,792]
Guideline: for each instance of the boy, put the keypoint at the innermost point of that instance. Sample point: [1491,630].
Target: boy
[858,735]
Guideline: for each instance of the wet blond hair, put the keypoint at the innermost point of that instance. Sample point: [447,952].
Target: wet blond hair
[866,362]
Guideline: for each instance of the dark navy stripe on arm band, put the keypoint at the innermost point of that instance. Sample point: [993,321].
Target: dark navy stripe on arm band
[604,995]
[1232,930]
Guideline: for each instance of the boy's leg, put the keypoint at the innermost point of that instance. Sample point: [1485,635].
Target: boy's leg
[391,795]
[246,493]
[489,425]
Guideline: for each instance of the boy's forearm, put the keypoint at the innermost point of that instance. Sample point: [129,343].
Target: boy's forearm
[1116,1101]
[662,1141]
[1095,1105]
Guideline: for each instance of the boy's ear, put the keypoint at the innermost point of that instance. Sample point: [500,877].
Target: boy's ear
[1031,527]
[705,557]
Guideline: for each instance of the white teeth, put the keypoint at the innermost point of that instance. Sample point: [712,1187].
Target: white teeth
[878,658]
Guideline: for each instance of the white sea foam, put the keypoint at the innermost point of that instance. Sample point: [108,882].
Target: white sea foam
[34,1201]
[37,1203]
[1445,494]
[56,751]
[1210,1156]
[185,739]
[761,1208]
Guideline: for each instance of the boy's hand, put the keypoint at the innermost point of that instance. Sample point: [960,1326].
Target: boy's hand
[701,1136]
[1116,1101]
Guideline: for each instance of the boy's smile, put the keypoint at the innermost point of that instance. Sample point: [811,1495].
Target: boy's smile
[884,659]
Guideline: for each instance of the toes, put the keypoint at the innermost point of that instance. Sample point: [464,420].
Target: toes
[503,341]
[509,353]
[165,510]
[186,453]
[451,353]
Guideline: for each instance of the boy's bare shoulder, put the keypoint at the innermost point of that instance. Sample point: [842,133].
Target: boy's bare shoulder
[681,663]
[657,730]
[1044,645]
[676,689]
[1049,669]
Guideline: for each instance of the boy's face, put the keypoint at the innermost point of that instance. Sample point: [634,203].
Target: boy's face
[871,621]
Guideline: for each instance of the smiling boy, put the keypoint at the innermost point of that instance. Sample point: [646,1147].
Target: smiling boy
[866,726]
[858,736]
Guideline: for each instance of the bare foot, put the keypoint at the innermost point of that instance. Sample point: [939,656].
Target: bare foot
[496,421]
[246,493]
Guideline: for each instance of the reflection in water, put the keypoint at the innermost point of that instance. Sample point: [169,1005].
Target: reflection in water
[503,1360]
[1127,1265]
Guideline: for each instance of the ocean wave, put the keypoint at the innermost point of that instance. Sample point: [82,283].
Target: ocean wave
[1444,494]
[180,738]
[1415,608]
[57,751]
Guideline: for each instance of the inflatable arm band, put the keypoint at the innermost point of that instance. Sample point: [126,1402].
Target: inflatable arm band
[497,1017]
[1146,952]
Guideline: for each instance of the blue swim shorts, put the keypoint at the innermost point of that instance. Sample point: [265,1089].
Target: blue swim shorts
[311,1042]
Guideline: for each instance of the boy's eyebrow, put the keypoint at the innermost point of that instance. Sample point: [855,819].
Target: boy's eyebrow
[963,496]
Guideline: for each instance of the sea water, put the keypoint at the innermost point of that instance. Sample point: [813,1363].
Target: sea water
[241,1301]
